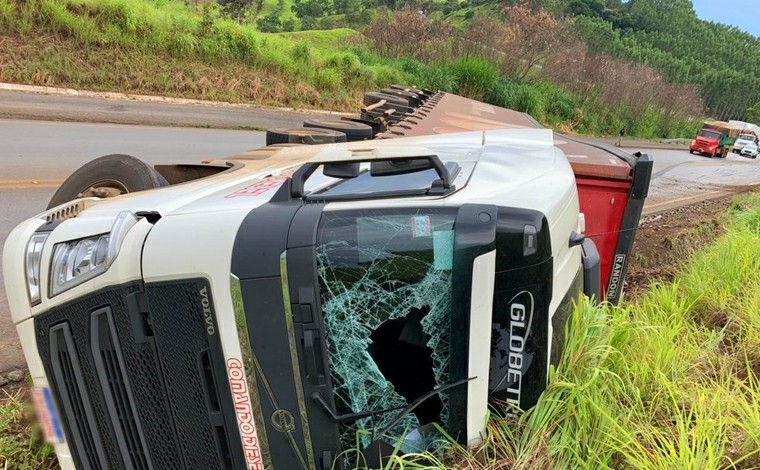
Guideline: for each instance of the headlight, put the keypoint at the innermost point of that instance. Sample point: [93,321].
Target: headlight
[76,261]
[33,262]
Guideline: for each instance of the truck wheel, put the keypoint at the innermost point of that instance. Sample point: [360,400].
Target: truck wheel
[354,130]
[303,135]
[108,176]
[412,98]
[372,97]
[691,151]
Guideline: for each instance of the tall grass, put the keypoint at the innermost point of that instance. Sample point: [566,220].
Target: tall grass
[669,382]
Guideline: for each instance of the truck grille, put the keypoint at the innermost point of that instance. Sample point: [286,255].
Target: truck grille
[146,382]
[110,369]
[73,399]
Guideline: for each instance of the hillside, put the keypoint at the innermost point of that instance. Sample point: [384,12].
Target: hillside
[719,60]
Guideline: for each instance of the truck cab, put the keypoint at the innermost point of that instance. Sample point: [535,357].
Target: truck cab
[715,139]
[315,306]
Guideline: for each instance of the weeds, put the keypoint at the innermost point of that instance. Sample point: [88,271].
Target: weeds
[21,445]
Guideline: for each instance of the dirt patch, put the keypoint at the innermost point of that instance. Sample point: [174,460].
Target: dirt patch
[665,240]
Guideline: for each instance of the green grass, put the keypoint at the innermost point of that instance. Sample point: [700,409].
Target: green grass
[21,445]
[283,9]
[670,382]
[331,39]
[170,48]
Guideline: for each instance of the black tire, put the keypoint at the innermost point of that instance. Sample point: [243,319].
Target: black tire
[399,111]
[408,88]
[354,130]
[691,151]
[302,135]
[412,98]
[373,97]
[372,117]
[113,173]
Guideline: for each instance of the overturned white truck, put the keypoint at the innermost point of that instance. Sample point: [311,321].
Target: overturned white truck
[285,306]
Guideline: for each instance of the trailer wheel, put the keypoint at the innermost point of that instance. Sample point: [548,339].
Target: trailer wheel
[408,88]
[354,130]
[108,176]
[372,97]
[412,98]
[303,135]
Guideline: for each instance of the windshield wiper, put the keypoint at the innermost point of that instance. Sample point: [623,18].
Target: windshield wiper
[349,418]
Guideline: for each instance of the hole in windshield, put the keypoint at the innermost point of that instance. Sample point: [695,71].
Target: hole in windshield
[399,348]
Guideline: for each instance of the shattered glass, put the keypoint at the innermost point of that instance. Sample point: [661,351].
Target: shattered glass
[385,279]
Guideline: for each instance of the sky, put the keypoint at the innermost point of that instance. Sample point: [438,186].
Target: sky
[744,14]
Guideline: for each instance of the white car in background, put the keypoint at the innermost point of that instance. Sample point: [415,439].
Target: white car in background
[744,140]
[749,151]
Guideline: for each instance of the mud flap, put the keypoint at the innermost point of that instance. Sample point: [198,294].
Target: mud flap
[592,274]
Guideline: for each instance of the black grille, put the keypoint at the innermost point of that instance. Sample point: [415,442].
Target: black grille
[73,400]
[182,358]
[154,377]
[110,370]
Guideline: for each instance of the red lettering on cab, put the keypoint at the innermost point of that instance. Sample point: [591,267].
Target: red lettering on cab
[244,412]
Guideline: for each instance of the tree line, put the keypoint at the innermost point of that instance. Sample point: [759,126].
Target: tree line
[719,61]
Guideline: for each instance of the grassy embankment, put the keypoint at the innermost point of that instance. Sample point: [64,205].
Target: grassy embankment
[671,381]
[169,48]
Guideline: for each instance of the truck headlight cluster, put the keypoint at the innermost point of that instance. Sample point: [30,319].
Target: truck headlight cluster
[77,261]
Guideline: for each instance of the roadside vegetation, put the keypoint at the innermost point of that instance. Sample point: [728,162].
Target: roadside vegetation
[21,444]
[170,48]
[720,61]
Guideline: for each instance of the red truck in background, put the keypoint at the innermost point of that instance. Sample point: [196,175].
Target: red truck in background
[715,139]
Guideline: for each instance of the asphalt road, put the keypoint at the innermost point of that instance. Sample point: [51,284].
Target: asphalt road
[19,105]
[36,156]
[679,178]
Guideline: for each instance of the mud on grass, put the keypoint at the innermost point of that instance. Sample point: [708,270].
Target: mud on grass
[664,241]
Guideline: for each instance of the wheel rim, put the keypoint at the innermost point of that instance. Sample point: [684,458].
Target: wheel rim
[104,189]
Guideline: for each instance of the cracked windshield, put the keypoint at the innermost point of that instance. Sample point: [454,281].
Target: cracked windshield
[385,280]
